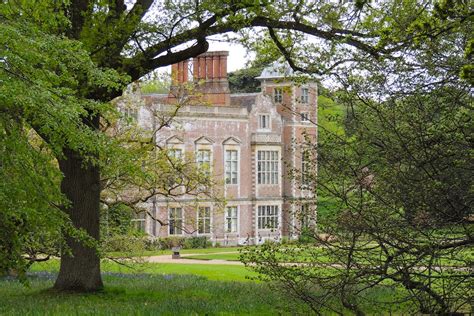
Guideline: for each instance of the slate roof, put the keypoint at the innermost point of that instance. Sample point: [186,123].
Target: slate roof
[276,70]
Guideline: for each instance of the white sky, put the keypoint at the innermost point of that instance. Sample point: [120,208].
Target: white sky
[237,55]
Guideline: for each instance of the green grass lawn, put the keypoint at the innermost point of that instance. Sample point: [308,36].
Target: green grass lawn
[148,253]
[171,289]
[211,272]
[293,255]
[144,294]
[221,256]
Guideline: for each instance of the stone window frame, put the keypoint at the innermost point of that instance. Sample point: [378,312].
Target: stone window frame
[304,98]
[173,145]
[231,171]
[268,120]
[273,163]
[231,143]
[204,144]
[278,94]
[175,227]
[200,163]
[198,220]
[305,117]
[305,169]
[236,218]
[263,216]
[176,149]
[139,220]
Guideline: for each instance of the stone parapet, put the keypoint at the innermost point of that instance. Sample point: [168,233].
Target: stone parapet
[265,139]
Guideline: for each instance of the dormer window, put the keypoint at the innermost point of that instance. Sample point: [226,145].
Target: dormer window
[264,121]
[278,95]
[304,95]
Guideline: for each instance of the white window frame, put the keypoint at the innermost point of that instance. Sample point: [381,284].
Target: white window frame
[304,95]
[172,219]
[268,216]
[264,122]
[231,166]
[278,95]
[205,219]
[268,167]
[233,217]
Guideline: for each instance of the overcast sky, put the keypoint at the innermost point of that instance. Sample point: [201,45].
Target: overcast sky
[237,54]
[236,60]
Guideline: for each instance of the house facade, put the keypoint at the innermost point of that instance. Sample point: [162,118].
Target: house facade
[250,142]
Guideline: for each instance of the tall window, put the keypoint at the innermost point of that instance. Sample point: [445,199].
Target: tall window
[231,166]
[267,216]
[304,95]
[267,167]
[305,166]
[138,221]
[203,160]
[231,219]
[278,95]
[176,221]
[264,121]
[204,220]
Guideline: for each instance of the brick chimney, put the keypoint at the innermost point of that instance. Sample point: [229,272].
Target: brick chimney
[179,72]
[209,76]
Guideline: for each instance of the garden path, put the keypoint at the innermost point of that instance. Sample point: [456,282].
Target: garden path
[183,260]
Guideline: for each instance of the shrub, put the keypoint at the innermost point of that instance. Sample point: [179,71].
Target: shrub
[170,242]
[197,242]
[124,243]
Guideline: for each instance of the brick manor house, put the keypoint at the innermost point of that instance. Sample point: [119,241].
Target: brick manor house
[250,141]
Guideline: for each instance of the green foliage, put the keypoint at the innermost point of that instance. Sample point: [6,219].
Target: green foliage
[398,179]
[197,242]
[136,243]
[155,86]
[331,116]
[243,80]
[40,107]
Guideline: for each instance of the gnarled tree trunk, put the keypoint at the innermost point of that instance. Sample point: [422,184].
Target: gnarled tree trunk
[81,185]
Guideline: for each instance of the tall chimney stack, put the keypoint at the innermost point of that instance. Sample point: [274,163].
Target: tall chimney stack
[209,76]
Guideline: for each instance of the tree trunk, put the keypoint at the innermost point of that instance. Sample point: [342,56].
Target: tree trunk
[80,271]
